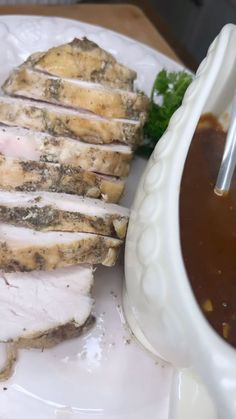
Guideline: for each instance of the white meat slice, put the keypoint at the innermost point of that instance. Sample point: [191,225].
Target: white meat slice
[24,144]
[23,249]
[47,211]
[23,175]
[85,60]
[35,302]
[104,101]
[67,122]
[42,309]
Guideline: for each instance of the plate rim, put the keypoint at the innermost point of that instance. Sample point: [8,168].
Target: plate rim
[119,34]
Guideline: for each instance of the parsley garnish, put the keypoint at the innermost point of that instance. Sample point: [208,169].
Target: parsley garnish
[166,96]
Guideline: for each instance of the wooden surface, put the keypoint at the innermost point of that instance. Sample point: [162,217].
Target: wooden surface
[124,18]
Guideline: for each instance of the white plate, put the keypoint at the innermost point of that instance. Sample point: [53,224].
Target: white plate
[105,372]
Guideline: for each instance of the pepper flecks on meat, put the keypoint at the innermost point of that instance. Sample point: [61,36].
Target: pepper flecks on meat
[93,97]
[40,296]
[46,211]
[22,249]
[72,123]
[68,61]
[52,89]
[33,175]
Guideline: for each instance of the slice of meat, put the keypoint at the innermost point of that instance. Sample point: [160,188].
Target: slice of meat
[34,302]
[85,60]
[111,103]
[22,175]
[23,249]
[41,309]
[47,211]
[57,120]
[24,144]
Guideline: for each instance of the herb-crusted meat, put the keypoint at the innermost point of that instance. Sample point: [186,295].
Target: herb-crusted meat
[23,249]
[31,313]
[24,144]
[45,211]
[31,176]
[107,102]
[57,120]
[85,60]
[69,124]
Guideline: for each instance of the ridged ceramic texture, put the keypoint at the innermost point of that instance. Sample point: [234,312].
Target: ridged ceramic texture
[157,287]
[103,374]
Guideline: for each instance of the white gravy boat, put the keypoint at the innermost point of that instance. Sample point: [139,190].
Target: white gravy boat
[158,301]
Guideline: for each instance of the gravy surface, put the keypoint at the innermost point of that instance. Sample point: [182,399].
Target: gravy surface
[208,230]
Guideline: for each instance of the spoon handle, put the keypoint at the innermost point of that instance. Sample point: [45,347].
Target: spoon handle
[229,157]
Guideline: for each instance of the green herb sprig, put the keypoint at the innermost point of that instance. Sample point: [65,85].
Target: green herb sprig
[169,88]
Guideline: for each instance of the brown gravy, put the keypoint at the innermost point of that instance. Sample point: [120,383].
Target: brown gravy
[208,230]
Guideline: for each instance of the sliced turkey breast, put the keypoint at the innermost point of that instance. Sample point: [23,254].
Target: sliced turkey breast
[23,249]
[45,211]
[22,175]
[85,60]
[24,144]
[41,309]
[31,302]
[57,120]
[107,102]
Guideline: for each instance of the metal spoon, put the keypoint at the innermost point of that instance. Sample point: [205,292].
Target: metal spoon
[228,162]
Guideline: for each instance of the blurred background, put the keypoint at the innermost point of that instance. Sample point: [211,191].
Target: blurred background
[189,26]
